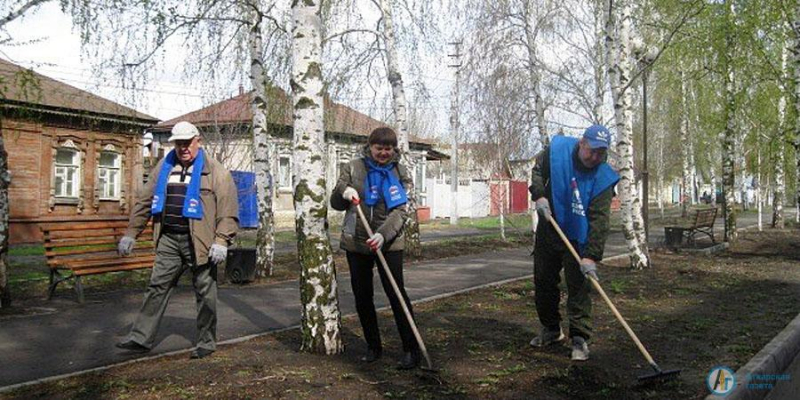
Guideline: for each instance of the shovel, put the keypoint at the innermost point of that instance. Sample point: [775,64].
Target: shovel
[397,293]
[659,374]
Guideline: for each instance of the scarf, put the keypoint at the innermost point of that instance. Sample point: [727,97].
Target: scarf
[192,205]
[381,182]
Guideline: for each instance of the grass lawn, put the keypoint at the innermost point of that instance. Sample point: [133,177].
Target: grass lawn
[692,312]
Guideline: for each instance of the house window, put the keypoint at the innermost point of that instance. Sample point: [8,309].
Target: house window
[109,175]
[284,172]
[67,172]
[342,166]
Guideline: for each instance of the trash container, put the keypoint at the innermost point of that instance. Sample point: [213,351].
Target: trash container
[673,237]
[240,266]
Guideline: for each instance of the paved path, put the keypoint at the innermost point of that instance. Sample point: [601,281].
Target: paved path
[77,338]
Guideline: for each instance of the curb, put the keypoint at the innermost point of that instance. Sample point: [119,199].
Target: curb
[708,251]
[773,359]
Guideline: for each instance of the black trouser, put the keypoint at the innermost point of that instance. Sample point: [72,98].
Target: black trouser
[548,262]
[361,279]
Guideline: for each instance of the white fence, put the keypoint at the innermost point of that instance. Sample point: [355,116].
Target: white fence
[473,199]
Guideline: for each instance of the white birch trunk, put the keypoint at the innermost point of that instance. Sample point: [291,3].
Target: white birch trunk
[686,176]
[534,72]
[600,65]
[619,71]
[795,36]
[265,237]
[729,135]
[779,188]
[321,319]
[5,181]
[411,228]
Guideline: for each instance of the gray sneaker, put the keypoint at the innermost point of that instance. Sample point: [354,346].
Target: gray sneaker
[580,349]
[547,337]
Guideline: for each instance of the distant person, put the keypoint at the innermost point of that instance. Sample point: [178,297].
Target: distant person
[193,202]
[377,183]
[573,176]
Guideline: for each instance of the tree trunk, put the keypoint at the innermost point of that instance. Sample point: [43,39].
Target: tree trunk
[321,319]
[795,32]
[780,179]
[265,237]
[411,228]
[620,70]
[5,181]
[534,72]
[729,136]
[686,177]
[600,64]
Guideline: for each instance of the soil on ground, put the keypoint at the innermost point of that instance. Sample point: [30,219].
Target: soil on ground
[692,312]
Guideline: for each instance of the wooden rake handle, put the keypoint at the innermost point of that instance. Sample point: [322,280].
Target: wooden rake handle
[397,292]
[602,292]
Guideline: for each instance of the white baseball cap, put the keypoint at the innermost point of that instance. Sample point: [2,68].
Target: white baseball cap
[183,131]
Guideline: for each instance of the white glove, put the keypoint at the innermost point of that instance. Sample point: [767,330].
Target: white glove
[375,242]
[351,195]
[217,253]
[125,246]
[589,268]
[543,207]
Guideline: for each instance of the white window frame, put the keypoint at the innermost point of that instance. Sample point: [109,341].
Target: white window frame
[287,176]
[104,171]
[61,171]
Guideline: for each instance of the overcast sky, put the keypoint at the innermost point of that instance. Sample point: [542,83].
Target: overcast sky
[45,41]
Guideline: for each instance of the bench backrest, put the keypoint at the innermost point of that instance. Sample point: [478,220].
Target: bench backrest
[705,218]
[88,240]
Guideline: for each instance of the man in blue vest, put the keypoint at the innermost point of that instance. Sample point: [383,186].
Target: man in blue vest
[571,175]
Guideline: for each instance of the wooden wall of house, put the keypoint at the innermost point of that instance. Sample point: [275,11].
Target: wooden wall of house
[31,149]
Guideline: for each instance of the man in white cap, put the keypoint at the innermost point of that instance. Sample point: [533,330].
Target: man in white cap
[193,202]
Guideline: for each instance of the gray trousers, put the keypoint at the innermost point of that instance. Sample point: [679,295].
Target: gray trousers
[174,255]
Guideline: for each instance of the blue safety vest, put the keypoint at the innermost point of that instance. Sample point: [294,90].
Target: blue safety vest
[573,189]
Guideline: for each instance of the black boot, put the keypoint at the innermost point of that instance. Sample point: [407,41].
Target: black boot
[371,356]
[410,360]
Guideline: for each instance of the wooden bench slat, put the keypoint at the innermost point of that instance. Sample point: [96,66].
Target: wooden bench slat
[82,264]
[52,227]
[55,254]
[109,257]
[94,271]
[61,235]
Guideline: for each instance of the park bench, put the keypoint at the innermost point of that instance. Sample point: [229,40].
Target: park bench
[88,248]
[703,222]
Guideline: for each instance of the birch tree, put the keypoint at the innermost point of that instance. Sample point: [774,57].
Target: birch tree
[779,190]
[687,183]
[618,33]
[399,105]
[729,134]
[321,319]
[265,238]
[795,50]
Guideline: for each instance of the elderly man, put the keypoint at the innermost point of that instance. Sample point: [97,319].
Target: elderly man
[572,175]
[193,202]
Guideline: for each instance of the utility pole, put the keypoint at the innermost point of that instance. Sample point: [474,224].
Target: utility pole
[455,63]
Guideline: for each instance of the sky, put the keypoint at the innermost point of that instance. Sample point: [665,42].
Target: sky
[46,41]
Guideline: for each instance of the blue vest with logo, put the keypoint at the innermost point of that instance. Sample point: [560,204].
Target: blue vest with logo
[573,189]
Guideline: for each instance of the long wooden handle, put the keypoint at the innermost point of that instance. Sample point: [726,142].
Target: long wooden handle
[602,292]
[397,292]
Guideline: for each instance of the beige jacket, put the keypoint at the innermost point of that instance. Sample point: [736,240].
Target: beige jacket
[220,210]
[389,224]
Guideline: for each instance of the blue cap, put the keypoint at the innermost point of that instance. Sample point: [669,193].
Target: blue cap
[597,136]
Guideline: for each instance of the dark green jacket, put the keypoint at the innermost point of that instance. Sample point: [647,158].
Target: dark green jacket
[599,209]
[389,223]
